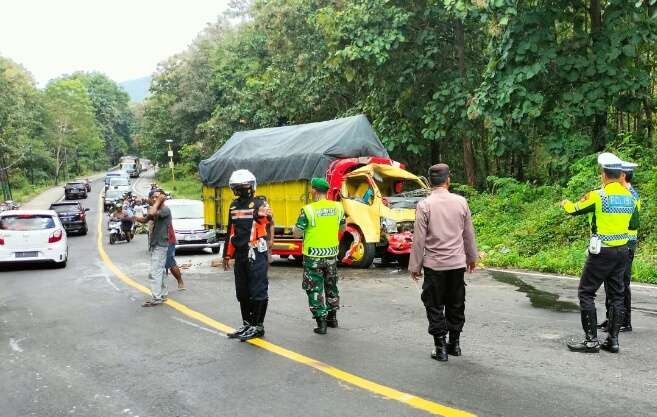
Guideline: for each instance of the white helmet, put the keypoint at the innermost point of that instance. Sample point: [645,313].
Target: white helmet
[242,177]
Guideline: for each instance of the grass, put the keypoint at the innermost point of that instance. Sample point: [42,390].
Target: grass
[186,185]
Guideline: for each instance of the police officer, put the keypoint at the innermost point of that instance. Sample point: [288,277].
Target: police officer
[611,211]
[626,180]
[320,224]
[249,221]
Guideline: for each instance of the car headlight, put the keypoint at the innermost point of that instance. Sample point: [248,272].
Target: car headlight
[389,225]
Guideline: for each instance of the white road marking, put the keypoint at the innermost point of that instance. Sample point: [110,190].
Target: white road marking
[198,326]
[14,345]
[113,285]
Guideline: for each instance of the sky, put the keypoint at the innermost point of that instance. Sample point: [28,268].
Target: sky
[124,39]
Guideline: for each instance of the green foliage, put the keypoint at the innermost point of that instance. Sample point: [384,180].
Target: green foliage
[67,129]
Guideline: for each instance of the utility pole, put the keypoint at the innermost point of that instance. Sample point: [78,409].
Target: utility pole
[170,154]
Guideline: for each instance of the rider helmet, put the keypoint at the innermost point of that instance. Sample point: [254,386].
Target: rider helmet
[242,179]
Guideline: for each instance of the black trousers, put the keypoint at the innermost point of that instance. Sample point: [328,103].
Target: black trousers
[607,267]
[627,294]
[443,295]
[251,282]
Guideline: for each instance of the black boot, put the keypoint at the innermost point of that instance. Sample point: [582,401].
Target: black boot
[321,325]
[453,346]
[627,322]
[245,309]
[590,343]
[440,352]
[257,329]
[615,320]
[332,319]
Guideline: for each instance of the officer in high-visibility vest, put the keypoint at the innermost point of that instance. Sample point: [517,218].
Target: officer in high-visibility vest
[612,212]
[626,180]
[320,224]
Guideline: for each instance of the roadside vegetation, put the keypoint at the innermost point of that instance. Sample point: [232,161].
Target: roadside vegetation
[77,124]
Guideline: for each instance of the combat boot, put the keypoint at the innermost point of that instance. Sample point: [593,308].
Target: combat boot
[247,314]
[615,320]
[440,352]
[590,344]
[332,319]
[321,325]
[453,346]
[257,329]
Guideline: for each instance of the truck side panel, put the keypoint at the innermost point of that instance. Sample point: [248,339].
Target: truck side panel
[286,200]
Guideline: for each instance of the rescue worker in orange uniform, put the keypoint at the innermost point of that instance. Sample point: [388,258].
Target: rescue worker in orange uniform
[248,243]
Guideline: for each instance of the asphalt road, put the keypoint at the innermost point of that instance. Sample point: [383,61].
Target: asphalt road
[77,342]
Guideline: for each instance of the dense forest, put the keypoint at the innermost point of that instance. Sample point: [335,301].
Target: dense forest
[516,96]
[77,124]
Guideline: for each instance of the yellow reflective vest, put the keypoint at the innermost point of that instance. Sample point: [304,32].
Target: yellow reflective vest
[323,226]
[612,213]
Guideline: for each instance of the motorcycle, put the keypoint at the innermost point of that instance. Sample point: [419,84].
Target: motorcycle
[119,232]
[9,205]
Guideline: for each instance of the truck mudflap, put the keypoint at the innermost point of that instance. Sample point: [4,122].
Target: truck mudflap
[400,243]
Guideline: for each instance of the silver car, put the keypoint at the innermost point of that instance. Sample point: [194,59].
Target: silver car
[189,225]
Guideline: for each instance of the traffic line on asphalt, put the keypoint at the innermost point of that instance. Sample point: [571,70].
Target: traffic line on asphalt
[355,380]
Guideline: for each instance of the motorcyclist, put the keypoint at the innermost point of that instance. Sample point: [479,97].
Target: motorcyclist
[126,220]
[249,223]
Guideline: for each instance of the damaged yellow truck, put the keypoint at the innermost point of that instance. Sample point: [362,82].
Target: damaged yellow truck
[378,195]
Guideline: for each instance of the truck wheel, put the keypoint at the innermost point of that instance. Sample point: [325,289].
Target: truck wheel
[362,253]
[215,250]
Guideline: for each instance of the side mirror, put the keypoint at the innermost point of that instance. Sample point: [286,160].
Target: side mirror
[87,209]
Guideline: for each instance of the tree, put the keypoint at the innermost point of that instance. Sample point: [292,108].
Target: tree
[71,126]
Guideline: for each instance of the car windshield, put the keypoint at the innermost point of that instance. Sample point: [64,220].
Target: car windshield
[113,194]
[119,181]
[27,222]
[186,211]
[63,208]
[75,184]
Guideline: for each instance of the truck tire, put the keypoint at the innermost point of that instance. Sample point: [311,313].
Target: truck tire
[215,250]
[363,255]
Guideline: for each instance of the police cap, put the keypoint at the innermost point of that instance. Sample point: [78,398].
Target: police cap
[608,160]
[628,166]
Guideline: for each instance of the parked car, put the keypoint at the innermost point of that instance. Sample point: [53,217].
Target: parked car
[119,183]
[75,189]
[72,216]
[188,223]
[111,197]
[32,235]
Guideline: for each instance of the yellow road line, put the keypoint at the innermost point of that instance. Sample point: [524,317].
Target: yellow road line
[391,393]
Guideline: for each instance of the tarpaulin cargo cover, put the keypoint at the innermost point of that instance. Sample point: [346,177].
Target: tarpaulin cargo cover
[291,152]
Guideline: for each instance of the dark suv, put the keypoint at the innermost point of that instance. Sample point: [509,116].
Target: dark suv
[75,189]
[72,216]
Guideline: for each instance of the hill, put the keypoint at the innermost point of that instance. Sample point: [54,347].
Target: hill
[138,88]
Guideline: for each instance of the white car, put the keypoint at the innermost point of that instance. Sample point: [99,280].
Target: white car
[189,224]
[119,184]
[32,235]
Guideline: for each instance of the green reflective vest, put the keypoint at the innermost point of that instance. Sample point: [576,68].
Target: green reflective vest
[321,235]
[610,210]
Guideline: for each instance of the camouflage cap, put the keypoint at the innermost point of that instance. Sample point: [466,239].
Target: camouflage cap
[319,184]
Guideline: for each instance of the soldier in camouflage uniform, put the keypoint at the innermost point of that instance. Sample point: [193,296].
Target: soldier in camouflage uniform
[320,224]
